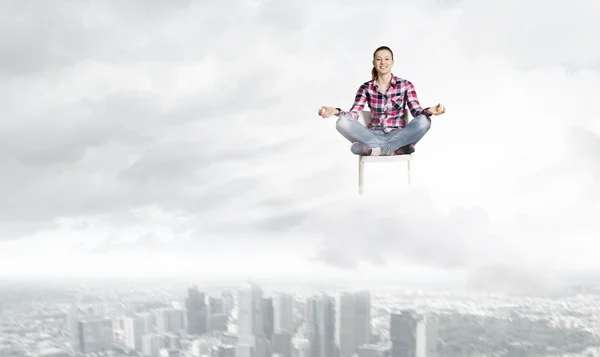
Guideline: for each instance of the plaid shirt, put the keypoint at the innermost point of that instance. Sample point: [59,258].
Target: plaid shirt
[387,108]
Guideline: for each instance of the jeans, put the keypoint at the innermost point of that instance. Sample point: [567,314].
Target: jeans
[355,131]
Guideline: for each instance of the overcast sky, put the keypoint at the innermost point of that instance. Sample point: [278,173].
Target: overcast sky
[160,137]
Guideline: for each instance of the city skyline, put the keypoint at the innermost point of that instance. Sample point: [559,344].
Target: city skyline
[147,320]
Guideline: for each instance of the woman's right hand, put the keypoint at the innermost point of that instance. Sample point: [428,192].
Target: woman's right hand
[327,112]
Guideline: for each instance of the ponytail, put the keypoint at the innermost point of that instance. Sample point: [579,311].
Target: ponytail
[374,73]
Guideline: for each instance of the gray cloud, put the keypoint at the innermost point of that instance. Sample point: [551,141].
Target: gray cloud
[42,37]
[547,31]
[336,258]
[16,230]
[146,154]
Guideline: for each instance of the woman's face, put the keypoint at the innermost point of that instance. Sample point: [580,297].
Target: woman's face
[383,62]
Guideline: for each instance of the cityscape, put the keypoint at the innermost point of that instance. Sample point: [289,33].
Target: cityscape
[251,319]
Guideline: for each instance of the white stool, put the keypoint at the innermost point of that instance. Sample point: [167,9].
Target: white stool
[365,118]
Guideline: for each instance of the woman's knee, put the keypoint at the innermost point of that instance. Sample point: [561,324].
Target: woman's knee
[424,122]
[343,124]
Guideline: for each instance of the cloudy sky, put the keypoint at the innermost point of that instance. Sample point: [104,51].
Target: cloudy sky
[171,137]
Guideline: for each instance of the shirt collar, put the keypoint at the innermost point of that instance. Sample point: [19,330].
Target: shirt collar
[393,82]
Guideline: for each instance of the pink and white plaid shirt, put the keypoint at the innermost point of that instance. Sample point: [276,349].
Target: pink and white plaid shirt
[386,109]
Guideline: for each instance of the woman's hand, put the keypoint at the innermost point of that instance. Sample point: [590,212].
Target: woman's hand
[437,110]
[327,112]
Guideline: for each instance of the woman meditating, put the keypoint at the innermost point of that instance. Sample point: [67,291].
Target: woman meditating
[387,96]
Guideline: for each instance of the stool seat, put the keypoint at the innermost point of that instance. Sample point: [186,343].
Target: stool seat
[395,158]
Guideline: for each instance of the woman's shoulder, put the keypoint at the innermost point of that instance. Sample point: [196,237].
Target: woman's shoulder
[368,83]
[400,79]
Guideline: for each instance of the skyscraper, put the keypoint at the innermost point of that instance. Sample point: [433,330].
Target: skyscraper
[169,320]
[320,320]
[95,335]
[196,312]
[353,327]
[250,311]
[268,318]
[133,330]
[283,311]
[251,322]
[432,339]
[407,333]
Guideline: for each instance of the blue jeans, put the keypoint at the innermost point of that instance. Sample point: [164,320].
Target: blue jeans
[354,131]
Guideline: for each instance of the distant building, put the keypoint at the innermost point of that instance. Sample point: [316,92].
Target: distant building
[407,334]
[196,312]
[283,313]
[268,318]
[353,321]
[169,320]
[432,337]
[250,311]
[152,344]
[134,329]
[320,323]
[282,343]
[95,335]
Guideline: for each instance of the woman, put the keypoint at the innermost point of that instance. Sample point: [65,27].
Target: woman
[387,96]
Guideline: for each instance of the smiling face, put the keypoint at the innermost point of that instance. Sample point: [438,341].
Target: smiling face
[383,60]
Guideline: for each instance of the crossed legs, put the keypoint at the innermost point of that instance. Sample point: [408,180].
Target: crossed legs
[364,139]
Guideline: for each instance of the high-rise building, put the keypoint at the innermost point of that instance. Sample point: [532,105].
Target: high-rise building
[283,312]
[432,338]
[282,343]
[320,321]
[216,305]
[152,344]
[353,322]
[197,312]
[228,301]
[251,322]
[133,331]
[95,335]
[407,333]
[362,310]
[245,347]
[169,320]
[268,318]
[148,321]
[250,311]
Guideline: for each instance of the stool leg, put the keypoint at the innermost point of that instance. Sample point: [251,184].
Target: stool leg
[361,169]
[408,164]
